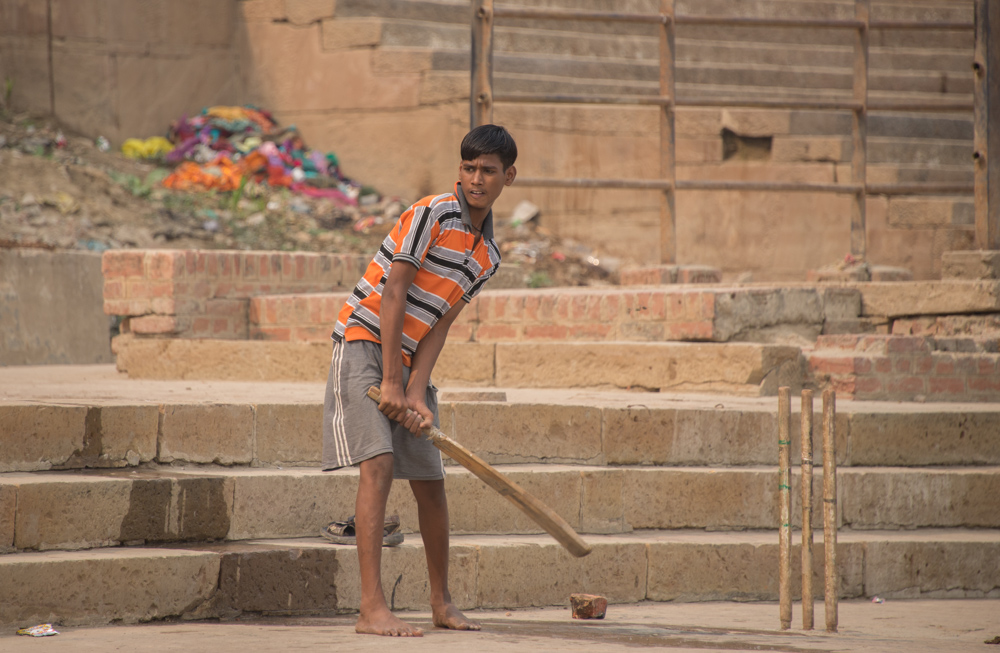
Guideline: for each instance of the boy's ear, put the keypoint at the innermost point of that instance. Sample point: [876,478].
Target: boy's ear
[509,175]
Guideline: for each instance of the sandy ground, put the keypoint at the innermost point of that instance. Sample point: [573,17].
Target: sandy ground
[911,626]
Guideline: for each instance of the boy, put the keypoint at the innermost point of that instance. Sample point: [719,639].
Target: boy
[436,259]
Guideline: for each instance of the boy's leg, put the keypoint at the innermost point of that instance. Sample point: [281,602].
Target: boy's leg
[432,511]
[369,521]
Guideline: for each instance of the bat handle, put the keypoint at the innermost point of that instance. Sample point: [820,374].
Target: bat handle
[431,433]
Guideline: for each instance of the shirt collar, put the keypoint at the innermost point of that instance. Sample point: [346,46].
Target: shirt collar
[467,216]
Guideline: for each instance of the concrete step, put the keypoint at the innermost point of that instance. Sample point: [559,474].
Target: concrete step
[310,576]
[81,510]
[280,424]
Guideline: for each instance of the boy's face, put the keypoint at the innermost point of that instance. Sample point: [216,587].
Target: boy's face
[483,180]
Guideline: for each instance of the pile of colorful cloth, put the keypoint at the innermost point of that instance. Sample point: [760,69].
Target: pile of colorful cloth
[224,148]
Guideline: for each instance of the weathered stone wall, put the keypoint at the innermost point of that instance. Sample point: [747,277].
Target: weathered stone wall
[394,107]
[50,309]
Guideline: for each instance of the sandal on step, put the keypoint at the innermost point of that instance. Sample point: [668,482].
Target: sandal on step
[343,532]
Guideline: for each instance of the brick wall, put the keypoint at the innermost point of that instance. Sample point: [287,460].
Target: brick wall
[907,368]
[206,294]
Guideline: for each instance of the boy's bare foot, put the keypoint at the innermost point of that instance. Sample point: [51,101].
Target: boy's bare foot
[448,616]
[386,623]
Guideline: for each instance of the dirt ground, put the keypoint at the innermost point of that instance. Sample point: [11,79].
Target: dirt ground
[62,191]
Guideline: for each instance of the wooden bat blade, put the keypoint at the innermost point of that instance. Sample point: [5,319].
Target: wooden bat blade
[540,513]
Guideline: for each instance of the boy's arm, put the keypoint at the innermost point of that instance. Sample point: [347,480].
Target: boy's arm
[423,362]
[391,314]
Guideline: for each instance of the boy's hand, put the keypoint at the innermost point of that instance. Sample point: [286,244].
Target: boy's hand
[413,415]
[423,415]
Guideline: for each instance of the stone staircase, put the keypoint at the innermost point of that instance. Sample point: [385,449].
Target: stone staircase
[198,497]
[207,509]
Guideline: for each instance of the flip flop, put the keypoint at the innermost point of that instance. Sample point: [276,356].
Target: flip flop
[343,532]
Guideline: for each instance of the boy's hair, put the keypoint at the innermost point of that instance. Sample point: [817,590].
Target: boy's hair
[490,139]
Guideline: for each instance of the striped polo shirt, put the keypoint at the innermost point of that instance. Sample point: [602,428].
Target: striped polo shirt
[436,236]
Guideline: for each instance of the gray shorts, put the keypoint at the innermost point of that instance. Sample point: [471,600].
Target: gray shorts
[353,428]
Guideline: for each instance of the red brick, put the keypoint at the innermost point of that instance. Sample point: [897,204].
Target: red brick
[945,367]
[589,331]
[883,365]
[967,365]
[708,305]
[331,308]
[201,326]
[282,334]
[165,265]
[163,305]
[946,386]
[689,331]
[657,307]
[311,334]
[457,332]
[905,385]
[495,332]
[119,263]
[907,345]
[923,364]
[226,307]
[153,324]
[249,265]
[987,366]
[271,310]
[862,365]
[220,325]
[254,310]
[868,385]
[984,385]
[116,307]
[545,332]
[562,304]
[844,386]
[578,307]
[831,365]
[588,606]
[114,290]
[610,307]
[903,365]
[546,308]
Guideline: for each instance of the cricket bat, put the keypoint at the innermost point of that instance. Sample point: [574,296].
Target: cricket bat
[540,513]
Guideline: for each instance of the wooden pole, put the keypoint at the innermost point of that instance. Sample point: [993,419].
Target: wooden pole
[668,217]
[481,96]
[859,134]
[807,511]
[832,585]
[785,506]
[986,144]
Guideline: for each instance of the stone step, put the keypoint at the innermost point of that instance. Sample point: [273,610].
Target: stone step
[738,74]
[443,36]
[457,13]
[274,424]
[928,298]
[698,312]
[81,510]
[741,369]
[311,576]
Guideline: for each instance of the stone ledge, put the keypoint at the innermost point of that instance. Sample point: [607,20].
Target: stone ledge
[310,576]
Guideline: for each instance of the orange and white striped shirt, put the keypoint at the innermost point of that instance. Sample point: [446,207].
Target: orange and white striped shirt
[436,236]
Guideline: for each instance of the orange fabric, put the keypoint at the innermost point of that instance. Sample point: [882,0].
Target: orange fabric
[222,174]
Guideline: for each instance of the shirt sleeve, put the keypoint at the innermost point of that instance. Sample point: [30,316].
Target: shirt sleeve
[480,282]
[415,232]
